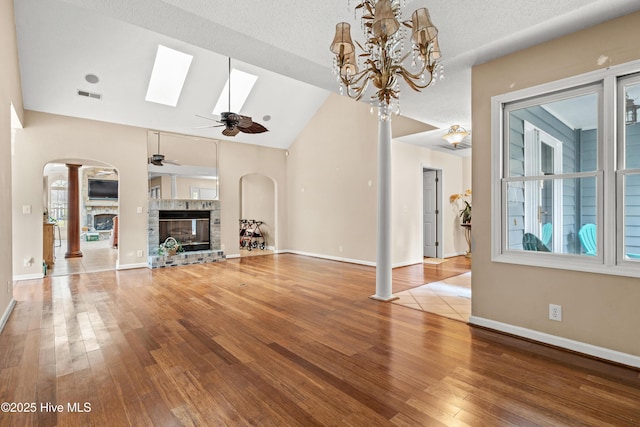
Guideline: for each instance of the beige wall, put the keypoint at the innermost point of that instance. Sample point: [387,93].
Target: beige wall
[10,92]
[332,183]
[598,309]
[50,138]
[333,188]
[258,203]
[236,161]
[47,138]
[408,163]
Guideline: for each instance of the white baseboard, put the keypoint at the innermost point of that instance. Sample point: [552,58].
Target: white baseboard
[451,255]
[7,313]
[28,276]
[334,258]
[131,266]
[577,346]
[232,256]
[408,263]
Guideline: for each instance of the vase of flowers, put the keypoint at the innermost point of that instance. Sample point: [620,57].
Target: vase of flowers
[462,201]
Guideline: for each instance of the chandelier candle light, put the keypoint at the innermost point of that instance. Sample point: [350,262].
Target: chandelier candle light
[381,63]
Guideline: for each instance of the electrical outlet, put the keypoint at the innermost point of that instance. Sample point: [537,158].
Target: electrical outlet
[139,254]
[555,312]
[9,286]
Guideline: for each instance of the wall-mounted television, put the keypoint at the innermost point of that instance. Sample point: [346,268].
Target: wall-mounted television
[103,189]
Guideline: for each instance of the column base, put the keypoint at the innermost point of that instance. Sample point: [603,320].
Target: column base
[388,299]
[77,254]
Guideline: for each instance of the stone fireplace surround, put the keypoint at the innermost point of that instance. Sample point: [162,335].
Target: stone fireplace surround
[184,258]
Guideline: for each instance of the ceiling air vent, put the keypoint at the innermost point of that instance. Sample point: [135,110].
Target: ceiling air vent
[89,94]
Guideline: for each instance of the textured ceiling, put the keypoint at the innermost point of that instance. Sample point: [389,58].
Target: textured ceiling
[286,43]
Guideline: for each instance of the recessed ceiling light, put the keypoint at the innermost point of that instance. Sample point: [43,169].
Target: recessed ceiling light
[241,85]
[167,78]
[92,78]
[266,118]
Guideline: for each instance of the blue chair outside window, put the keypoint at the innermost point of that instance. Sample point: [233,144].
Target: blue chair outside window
[547,231]
[587,235]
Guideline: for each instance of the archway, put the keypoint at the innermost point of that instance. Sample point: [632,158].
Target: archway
[258,215]
[96,222]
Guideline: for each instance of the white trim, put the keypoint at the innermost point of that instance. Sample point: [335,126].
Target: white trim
[606,80]
[7,313]
[334,258]
[577,346]
[131,266]
[28,277]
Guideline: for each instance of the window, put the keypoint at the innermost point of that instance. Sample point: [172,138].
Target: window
[629,167]
[566,181]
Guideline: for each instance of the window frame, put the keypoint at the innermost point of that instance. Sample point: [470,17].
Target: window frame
[609,175]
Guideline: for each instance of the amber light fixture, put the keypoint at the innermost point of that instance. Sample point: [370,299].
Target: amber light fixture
[382,57]
[455,135]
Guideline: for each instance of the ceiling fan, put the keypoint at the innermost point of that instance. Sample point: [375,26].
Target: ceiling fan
[234,123]
[158,159]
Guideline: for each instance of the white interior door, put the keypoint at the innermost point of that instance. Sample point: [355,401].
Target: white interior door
[430,213]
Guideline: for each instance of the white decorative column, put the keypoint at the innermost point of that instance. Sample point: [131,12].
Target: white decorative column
[383,241]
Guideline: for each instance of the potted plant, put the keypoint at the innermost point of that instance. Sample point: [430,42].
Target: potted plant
[170,247]
[464,200]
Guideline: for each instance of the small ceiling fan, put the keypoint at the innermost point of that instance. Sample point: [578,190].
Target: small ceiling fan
[234,123]
[158,159]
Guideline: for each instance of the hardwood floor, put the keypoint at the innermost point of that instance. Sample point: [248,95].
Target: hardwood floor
[282,340]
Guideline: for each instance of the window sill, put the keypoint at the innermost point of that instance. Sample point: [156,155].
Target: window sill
[577,263]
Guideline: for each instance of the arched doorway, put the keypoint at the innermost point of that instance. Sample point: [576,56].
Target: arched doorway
[98,208]
[257,215]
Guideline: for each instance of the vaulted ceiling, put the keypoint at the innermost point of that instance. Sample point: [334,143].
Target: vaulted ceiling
[284,43]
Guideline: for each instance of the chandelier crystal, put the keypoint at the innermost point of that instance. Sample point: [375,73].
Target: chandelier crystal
[382,58]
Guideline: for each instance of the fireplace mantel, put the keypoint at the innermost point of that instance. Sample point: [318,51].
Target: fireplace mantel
[194,257]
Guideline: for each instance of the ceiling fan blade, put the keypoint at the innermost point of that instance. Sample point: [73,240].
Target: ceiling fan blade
[205,117]
[208,126]
[254,128]
[230,132]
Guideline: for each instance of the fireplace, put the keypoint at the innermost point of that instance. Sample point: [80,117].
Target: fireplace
[181,219]
[191,228]
[103,222]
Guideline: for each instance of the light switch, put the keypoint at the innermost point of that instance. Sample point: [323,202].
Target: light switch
[26,209]
[139,209]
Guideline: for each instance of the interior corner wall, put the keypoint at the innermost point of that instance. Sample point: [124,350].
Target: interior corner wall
[332,182]
[407,201]
[51,138]
[10,93]
[598,309]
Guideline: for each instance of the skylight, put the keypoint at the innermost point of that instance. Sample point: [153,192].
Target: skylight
[168,76]
[241,85]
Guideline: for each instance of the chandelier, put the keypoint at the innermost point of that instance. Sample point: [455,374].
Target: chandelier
[382,57]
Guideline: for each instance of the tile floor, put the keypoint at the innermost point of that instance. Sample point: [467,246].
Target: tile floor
[96,256]
[449,298]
